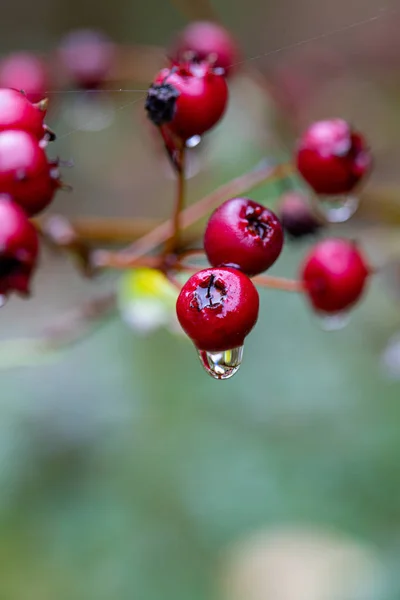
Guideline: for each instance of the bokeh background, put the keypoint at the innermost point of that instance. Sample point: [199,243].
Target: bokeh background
[125,471]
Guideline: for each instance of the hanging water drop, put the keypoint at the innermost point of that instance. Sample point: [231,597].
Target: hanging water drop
[337,209]
[3,300]
[193,141]
[223,364]
[89,111]
[334,321]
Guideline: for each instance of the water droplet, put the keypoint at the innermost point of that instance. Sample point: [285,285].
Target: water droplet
[335,321]
[222,365]
[89,112]
[3,300]
[337,209]
[193,141]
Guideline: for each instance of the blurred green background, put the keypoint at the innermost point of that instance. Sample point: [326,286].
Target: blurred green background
[126,472]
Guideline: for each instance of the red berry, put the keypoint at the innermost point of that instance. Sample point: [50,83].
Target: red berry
[243,234]
[26,72]
[25,172]
[217,308]
[189,99]
[334,275]
[19,248]
[87,56]
[296,216]
[17,112]
[332,157]
[206,41]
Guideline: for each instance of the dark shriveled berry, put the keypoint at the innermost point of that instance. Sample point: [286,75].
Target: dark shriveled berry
[243,234]
[161,103]
[297,217]
[19,248]
[217,308]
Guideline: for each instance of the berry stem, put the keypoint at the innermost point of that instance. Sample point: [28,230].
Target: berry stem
[278,283]
[173,243]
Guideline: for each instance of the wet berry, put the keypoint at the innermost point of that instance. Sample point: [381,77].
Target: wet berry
[26,72]
[243,234]
[334,275]
[206,41]
[188,100]
[217,308]
[25,172]
[18,248]
[332,157]
[18,112]
[296,216]
[87,56]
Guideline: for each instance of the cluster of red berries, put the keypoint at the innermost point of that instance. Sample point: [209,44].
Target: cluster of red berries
[218,306]
[28,182]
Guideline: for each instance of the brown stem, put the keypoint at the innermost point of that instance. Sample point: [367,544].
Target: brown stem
[173,243]
[106,230]
[259,175]
[278,283]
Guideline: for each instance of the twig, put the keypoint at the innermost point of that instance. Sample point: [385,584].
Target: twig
[259,175]
[173,242]
[278,283]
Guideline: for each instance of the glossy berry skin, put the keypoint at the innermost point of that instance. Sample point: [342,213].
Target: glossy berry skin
[217,308]
[332,157]
[87,56]
[25,172]
[296,216]
[19,248]
[206,41]
[26,72]
[188,100]
[18,112]
[334,275]
[243,234]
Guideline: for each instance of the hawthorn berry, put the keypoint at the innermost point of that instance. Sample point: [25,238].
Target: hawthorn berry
[217,308]
[87,56]
[188,100]
[243,234]
[332,157]
[206,41]
[26,72]
[19,247]
[296,216]
[334,275]
[18,112]
[25,172]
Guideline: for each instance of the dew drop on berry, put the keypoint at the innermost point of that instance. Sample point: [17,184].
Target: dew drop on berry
[334,321]
[193,141]
[223,364]
[337,209]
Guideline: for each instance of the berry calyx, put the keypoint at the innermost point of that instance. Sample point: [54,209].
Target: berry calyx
[217,308]
[206,41]
[19,248]
[25,172]
[334,275]
[296,216]
[188,100]
[18,112]
[332,157]
[26,72]
[243,234]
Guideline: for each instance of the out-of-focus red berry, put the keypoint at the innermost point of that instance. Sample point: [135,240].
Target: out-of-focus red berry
[26,72]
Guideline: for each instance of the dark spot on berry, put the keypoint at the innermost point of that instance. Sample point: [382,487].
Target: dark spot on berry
[161,103]
[8,266]
[258,222]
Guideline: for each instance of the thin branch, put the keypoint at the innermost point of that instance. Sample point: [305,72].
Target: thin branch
[173,242]
[258,176]
[278,283]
